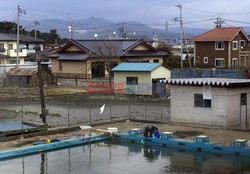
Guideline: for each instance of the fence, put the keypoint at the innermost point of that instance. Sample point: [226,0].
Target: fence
[207,73]
[84,108]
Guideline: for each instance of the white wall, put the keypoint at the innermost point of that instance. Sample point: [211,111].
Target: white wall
[143,78]
[183,110]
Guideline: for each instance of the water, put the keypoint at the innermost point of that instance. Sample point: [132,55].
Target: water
[104,158]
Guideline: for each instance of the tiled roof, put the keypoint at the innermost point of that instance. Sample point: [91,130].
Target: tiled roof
[218,34]
[22,71]
[73,56]
[142,67]
[209,81]
[23,38]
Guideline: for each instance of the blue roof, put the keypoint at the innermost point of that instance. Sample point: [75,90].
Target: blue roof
[148,67]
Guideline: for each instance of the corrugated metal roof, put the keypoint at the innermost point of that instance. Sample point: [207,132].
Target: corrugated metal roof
[208,81]
[22,71]
[148,67]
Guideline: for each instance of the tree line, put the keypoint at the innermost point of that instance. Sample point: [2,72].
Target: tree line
[51,37]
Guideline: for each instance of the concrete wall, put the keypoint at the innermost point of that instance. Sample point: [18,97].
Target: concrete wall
[161,72]
[234,104]
[183,110]
[225,109]
[144,81]
[69,66]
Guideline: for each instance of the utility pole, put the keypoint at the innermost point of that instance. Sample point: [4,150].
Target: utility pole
[181,32]
[41,87]
[166,37]
[35,24]
[122,31]
[183,35]
[20,12]
[70,26]
[219,21]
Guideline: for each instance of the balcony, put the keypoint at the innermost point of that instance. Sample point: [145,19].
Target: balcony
[13,53]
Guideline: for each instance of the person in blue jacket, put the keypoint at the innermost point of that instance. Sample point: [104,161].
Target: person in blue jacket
[150,130]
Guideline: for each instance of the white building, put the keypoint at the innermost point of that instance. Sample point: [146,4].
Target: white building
[210,101]
[8,48]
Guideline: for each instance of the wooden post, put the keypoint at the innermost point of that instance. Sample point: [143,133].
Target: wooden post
[41,87]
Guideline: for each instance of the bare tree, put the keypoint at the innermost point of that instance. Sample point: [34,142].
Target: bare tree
[107,53]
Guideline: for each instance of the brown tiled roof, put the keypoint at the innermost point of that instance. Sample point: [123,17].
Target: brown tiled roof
[218,34]
[22,71]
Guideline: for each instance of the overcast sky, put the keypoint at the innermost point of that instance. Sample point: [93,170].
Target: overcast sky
[153,12]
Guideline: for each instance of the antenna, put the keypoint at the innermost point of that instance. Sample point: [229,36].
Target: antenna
[70,26]
[20,12]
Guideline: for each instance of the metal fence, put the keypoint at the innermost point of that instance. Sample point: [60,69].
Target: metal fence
[84,108]
[207,73]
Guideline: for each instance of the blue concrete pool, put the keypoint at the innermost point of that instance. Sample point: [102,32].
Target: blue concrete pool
[114,158]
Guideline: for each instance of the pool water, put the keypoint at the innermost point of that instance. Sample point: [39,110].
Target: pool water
[117,158]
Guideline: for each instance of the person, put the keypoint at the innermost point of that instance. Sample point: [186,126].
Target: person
[150,130]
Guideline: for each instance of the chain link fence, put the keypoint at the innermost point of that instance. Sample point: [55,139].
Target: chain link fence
[83,108]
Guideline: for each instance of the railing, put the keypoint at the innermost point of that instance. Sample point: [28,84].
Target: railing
[76,76]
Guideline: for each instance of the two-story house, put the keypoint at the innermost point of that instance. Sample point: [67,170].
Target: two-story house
[84,59]
[222,47]
[8,48]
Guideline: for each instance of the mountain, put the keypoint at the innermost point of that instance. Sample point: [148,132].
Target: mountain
[86,28]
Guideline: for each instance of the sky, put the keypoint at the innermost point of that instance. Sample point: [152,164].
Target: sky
[151,12]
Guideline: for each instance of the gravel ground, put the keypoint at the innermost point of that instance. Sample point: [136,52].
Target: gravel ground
[220,136]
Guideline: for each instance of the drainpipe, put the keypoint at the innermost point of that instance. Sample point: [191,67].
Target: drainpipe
[229,54]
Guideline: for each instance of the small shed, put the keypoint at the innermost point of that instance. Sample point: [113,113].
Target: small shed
[210,101]
[25,77]
[140,78]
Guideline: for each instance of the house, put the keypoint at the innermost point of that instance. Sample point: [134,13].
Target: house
[8,47]
[86,59]
[222,47]
[210,101]
[25,77]
[140,78]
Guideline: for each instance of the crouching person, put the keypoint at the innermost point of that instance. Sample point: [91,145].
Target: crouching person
[151,130]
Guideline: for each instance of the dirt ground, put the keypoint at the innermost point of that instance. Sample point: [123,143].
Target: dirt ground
[219,136]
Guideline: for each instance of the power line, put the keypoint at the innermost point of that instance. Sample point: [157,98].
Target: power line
[209,12]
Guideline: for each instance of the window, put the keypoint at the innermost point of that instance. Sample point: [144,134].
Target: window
[132,80]
[219,45]
[235,62]
[13,61]
[10,46]
[235,45]
[156,60]
[205,59]
[219,62]
[60,66]
[242,44]
[200,102]
[2,47]
[243,99]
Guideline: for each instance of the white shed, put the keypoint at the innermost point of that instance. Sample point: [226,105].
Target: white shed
[141,78]
[210,101]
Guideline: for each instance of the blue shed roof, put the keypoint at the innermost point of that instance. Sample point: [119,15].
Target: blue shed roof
[148,67]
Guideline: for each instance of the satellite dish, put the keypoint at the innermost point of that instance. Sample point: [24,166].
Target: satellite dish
[95,35]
